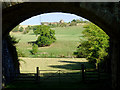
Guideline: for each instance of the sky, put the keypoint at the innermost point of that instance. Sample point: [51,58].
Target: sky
[50,17]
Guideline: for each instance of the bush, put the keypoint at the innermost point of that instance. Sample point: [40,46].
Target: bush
[46,35]
[43,41]
[34,49]
[20,53]
[26,31]
[21,29]
[73,24]
[13,39]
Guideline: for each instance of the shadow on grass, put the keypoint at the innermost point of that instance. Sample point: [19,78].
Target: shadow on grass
[71,78]
[73,65]
[32,42]
[58,80]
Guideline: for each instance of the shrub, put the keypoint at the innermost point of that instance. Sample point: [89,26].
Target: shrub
[73,24]
[13,39]
[21,29]
[26,31]
[34,49]
[20,53]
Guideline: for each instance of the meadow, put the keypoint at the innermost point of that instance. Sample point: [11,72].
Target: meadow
[67,41]
[58,56]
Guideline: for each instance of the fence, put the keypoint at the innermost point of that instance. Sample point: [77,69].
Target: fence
[58,75]
[90,74]
[62,75]
[80,75]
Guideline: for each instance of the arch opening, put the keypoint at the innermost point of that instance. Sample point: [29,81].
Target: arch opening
[78,9]
[74,66]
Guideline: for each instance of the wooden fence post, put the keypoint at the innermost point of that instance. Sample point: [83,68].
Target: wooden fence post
[98,69]
[37,73]
[83,74]
[59,76]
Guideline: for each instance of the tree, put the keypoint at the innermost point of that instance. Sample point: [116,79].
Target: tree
[29,27]
[95,45]
[46,35]
[73,24]
[21,29]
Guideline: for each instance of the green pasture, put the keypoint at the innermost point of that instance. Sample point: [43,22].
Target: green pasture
[67,41]
[58,56]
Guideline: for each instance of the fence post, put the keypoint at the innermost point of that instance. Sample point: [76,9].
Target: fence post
[98,69]
[37,73]
[83,74]
[59,76]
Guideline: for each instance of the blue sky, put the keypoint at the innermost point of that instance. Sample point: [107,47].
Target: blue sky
[50,17]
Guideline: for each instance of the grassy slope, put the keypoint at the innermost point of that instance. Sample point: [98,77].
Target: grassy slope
[65,45]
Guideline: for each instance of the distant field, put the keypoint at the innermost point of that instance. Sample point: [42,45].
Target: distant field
[67,41]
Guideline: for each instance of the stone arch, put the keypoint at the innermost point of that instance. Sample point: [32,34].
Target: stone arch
[105,15]
[98,13]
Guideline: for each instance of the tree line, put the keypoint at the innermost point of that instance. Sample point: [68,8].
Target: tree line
[94,44]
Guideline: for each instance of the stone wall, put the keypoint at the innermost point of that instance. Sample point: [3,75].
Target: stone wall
[9,66]
[115,64]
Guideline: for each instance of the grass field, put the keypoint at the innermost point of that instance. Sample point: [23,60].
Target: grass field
[67,41]
[68,78]
[52,64]
[47,59]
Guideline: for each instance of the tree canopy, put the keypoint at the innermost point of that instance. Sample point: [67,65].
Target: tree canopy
[46,35]
[95,45]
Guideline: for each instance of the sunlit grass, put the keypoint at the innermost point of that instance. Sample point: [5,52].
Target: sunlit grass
[29,65]
[67,41]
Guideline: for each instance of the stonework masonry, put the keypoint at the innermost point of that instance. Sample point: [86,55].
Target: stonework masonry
[106,15]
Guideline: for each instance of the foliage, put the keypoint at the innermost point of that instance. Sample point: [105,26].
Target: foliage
[62,25]
[65,45]
[46,35]
[21,29]
[34,49]
[29,27]
[96,44]
[43,41]
[16,29]
[21,60]
[26,30]
[13,40]
[20,53]
[73,23]
[53,25]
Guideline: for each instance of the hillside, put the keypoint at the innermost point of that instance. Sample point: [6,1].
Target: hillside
[66,43]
